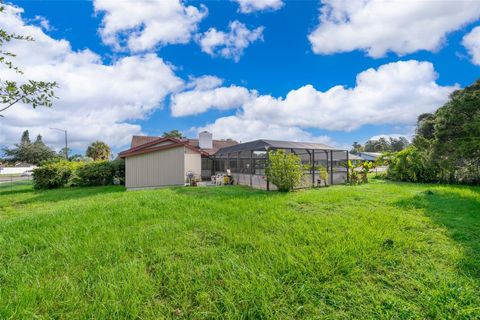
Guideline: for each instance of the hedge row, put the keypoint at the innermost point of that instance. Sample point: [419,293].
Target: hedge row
[415,165]
[68,174]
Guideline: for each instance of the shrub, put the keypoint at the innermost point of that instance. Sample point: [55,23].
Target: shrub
[119,170]
[284,170]
[55,174]
[359,172]
[411,165]
[322,173]
[99,173]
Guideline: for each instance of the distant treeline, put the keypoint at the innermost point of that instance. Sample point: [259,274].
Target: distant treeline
[381,145]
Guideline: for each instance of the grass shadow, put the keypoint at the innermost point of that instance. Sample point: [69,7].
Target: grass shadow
[458,210]
[225,192]
[65,194]
[15,184]
[14,192]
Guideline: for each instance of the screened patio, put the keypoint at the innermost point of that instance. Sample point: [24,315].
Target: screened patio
[323,165]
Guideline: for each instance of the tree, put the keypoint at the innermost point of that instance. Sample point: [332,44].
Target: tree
[98,150]
[25,139]
[41,151]
[21,151]
[61,153]
[397,145]
[26,151]
[379,145]
[446,146]
[456,142]
[284,170]
[356,148]
[173,134]
[34,93]
[384,145]
[425,125]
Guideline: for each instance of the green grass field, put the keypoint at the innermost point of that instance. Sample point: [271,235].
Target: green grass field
[382,250]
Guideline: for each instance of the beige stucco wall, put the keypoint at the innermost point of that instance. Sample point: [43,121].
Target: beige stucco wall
[193,162]
[156,169]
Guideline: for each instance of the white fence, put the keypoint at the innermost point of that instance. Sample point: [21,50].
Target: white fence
[15,170]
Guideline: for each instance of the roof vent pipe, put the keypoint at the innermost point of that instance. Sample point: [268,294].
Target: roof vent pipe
[205,140]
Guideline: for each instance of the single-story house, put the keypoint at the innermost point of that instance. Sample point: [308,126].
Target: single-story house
[355,159]
[153,162]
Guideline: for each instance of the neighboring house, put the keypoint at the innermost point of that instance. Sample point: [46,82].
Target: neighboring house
[153,162]
[369,156]
[340,159]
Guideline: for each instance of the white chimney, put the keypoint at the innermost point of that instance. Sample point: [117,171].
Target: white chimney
[205,140]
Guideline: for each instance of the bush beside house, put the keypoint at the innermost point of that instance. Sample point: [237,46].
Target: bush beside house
[55,174]
[99,173]
[118,171]
[60,174]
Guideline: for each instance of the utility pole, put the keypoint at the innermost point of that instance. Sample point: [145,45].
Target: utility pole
[66,141]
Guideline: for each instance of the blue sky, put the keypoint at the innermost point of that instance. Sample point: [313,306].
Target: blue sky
[278,59]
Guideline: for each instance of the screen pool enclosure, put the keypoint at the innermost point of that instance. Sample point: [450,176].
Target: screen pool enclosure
[323,165]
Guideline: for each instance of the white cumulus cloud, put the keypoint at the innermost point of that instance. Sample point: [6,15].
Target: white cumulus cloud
[204,82]
[207,95]
[144,24]
[380,26]
[229,44]
[395,93]
[249,6]
[471,42]
[97,101]
[244,130]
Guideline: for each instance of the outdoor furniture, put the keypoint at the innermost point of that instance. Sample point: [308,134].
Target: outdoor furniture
[219,180]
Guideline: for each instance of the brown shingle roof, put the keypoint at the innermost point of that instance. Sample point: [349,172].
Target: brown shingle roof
[217,144]
[139,140]
[153,145]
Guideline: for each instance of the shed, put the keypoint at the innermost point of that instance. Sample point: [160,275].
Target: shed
[159,163]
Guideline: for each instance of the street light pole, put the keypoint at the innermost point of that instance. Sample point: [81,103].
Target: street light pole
[66,141]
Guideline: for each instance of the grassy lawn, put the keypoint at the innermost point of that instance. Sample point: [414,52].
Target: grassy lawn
[382,250]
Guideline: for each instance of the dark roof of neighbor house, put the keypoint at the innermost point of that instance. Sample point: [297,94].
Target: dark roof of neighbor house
[217,144]
[264,144]
[366,155]
[372,154]
[352,156]
[150,147]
